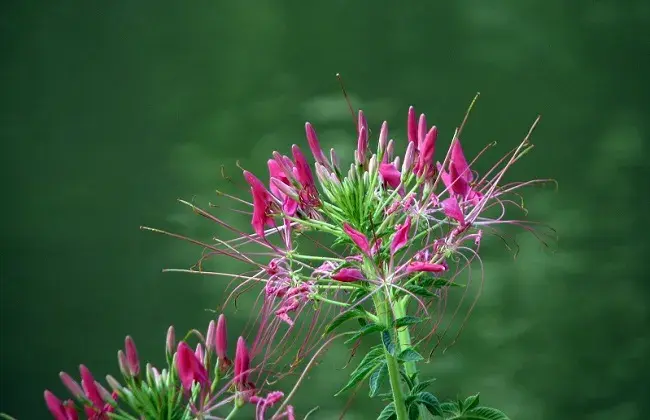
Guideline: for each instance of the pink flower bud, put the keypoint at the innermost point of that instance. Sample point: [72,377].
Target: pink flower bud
[409,159]
[221,339]
[209,337]
[89,387]
[422,129]
[123,364]
[388,156]
[283,188]
[113,383]
[412,127]
[401,237]
[314,145]
[133,362]
[189,368]
[357,237]
[335,160]
[242,365]
[199,353]
[347,275]
[420,266]
[362,141]
[427,148]
[170,341]
[55,406]
[72,385]
[383,138]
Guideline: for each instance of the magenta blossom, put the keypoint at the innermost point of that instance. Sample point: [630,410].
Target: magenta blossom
[190,368]
[358,238]
[401,237]
[420,266]
[348,275]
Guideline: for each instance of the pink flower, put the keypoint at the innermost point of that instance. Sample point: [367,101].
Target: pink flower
[348,275]
[89,387]
[261,204]
[452,209]
[459,171]
[189,367]
[133,362]
[390,174]
[420,266]
[401,237]
[357,237]
[242,365]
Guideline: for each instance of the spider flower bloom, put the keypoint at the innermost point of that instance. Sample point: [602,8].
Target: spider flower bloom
[262,204]
[190,369]
[401,237]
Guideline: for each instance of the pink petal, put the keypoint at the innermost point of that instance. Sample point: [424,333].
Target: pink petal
[132,356]
[303,171]
[89,387]
[348,275]
[390,174]
[357,237]
[55,406]
[451,208]
[401,237]
[314,145]
[419,266]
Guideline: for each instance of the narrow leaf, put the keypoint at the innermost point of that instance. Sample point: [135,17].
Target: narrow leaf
[388,342]
[410,355]
[407,320]
[377,378]
[354,313]
[388,413]
[431,403]
[365,330]
[370,362]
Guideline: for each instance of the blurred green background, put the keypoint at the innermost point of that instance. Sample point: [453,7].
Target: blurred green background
[112,110]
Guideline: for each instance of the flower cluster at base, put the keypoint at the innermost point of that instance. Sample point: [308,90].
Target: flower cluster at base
[197,383]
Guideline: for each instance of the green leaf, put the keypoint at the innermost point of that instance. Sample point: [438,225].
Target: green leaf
[377,378]
[471,402]
[414,412]
[388,413]
[422,386]
[370,362]
[409,355]
[450,408]
[388,342]
[365,330]
[354,313]
[440,283]
[430,402]
[419,290]
[481,413]
[407,320]
[407,379]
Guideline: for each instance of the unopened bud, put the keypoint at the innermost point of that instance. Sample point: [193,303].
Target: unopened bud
[409,158]
[209,337]
[72,385]
[383,139]
[372,166]
[132,360]
[389,151]
[335,159]
[285,189]
[123,363]
[170,342]
[113,383]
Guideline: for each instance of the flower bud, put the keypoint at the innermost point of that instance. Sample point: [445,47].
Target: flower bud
[362,141]
[412,127]
[170,341]
[347,275]
[132,360]
[335,159]
[113,383]
[221,339]
[372,165]
[409,158]
[123,364]
[357,237]
[285,189]
[314,145]
[55,406]
[389,151]
[242,365]
[422,130]
[383,139]
[209,337]
[72,385]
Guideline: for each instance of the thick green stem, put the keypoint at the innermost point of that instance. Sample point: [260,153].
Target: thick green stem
[404,336]
[383,313]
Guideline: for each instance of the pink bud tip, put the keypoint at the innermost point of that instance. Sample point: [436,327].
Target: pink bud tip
[221,340]
[348,275]
[412,127]
[89,387]
[123,364]
[170,341]
[72,385]
[314,145]
[55,406]
[209,337]
[132,360]
[242,364]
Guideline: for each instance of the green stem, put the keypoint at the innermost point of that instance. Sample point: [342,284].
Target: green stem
[383,312]
[233,412]
[404,336]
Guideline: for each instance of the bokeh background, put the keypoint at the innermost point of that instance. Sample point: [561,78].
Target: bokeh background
[112,110]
